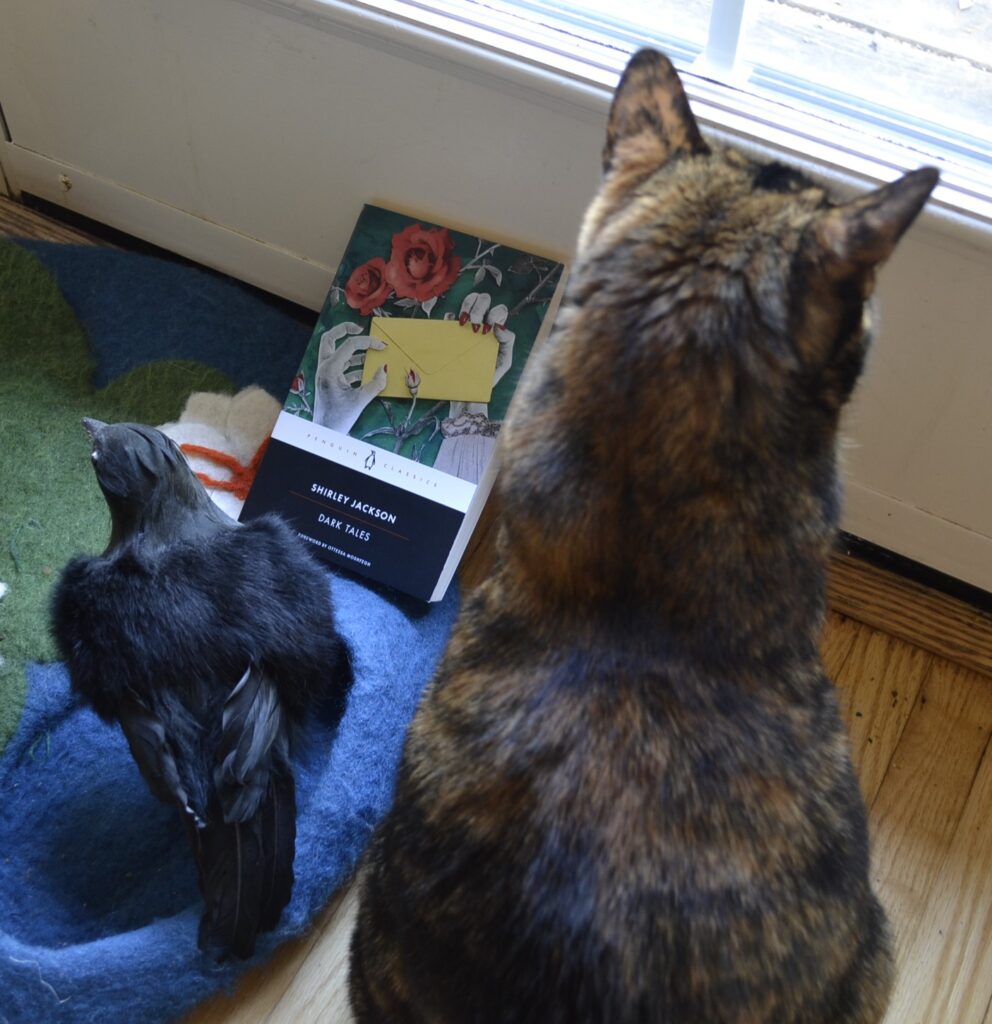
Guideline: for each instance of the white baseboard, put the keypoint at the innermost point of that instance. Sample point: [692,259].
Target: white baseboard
[249,259]
[918,535]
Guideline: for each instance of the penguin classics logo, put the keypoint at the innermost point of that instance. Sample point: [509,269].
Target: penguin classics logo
[370,460]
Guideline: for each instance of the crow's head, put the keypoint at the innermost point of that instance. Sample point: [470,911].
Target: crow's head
[134,462]
[148,484]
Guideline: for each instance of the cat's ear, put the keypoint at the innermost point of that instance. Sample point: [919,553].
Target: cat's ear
[650,119]
[848,242]
[861,234]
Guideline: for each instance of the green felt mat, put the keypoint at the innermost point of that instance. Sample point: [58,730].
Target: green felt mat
[50,505]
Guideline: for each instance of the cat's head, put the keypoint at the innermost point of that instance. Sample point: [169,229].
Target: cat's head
[734,256]
[680,425]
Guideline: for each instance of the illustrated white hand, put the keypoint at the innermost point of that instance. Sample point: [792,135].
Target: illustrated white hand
[477,310]
[338,402]
[504,337]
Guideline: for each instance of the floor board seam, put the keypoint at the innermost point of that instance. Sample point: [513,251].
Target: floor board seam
[924,679]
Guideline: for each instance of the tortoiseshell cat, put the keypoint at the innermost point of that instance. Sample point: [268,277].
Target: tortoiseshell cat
[628,794]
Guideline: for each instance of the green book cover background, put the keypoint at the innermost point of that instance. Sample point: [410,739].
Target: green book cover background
[522,282]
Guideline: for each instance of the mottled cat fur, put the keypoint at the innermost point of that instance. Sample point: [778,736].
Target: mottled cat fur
[628,795]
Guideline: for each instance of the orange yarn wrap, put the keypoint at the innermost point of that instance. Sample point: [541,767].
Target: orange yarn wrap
[241,476]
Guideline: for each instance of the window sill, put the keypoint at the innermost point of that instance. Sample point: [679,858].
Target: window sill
[582,82]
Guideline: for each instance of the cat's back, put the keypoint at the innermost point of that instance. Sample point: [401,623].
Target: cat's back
[600,831]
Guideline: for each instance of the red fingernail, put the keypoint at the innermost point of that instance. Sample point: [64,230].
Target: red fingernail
[475,327]
[463,319]
[486,328]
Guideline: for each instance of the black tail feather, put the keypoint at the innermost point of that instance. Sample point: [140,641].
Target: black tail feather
[232,879]
[279,846]
[246,871]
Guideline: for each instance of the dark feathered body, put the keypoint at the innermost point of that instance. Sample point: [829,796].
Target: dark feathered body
[206,641]
[176,618]
[627,795]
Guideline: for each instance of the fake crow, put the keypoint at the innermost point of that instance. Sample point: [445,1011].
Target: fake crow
[207,640]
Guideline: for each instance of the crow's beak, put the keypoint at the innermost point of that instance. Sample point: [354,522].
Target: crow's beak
[92,427]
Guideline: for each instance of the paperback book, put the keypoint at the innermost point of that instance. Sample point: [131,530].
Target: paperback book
[384,452]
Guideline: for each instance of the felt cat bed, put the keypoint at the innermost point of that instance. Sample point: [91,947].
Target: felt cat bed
[98,898]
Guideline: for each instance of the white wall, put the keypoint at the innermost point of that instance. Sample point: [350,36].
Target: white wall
[248,134]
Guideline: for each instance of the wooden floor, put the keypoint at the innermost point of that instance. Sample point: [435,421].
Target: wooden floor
[914,676]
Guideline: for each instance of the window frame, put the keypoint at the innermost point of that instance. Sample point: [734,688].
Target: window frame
[553,67]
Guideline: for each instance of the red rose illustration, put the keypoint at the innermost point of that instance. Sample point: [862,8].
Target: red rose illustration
[421,264]
[367,287]
[298,384]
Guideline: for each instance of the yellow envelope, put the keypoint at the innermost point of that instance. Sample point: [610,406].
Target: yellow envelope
[452,361]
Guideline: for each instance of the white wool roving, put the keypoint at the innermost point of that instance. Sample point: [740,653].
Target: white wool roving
[233,424]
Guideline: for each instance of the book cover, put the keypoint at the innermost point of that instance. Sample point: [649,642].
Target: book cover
[383,454]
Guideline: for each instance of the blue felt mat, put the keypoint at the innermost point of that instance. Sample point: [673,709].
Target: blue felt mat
[98,898]
[137,309]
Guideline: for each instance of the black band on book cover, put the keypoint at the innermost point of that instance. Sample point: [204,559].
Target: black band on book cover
[359,522]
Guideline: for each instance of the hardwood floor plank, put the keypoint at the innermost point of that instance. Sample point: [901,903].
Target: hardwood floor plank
[319,991]
[920,804]
[947,968]
[17,221]
[912,612]
[839,635]
[258,993]
[878,684]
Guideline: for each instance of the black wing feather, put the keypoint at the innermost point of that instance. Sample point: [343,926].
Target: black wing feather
[252,722]
[279,846]
[247,852]
[150,747]
[278,843]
